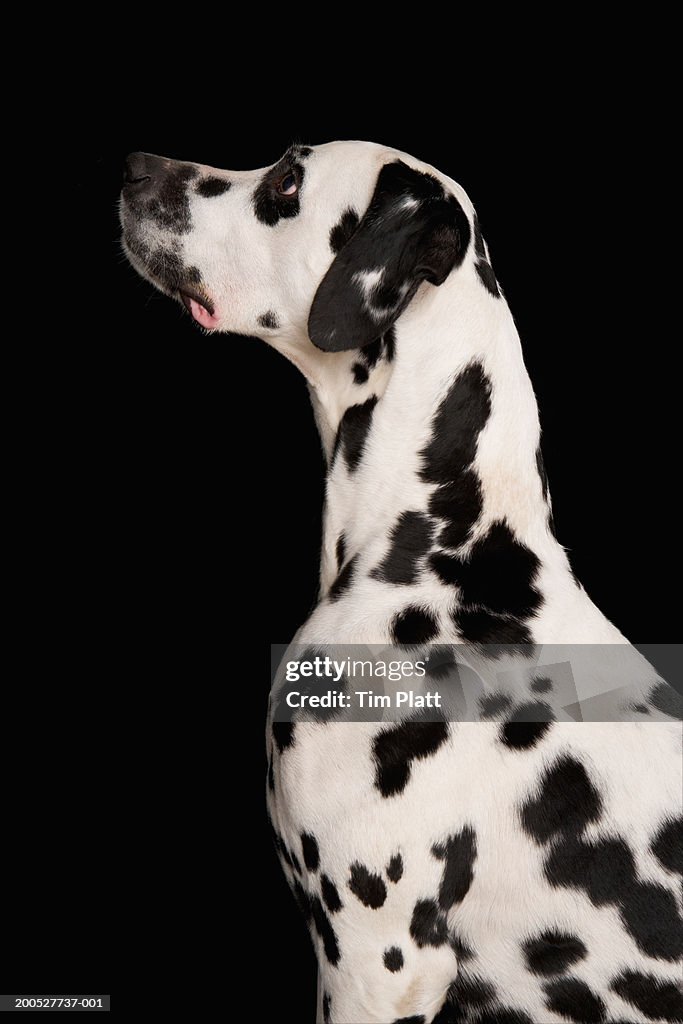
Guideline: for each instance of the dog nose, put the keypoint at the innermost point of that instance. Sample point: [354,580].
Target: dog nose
[141,169]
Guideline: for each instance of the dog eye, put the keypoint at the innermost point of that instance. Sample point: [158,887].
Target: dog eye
[288,186]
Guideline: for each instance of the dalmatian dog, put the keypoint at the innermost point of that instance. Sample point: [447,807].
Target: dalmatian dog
[498,871]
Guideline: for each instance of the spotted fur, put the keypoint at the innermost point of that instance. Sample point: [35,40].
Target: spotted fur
[517,869]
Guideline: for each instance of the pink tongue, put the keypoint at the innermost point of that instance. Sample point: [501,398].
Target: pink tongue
[202,315]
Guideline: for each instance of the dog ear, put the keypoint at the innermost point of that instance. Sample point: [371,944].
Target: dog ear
[412,231]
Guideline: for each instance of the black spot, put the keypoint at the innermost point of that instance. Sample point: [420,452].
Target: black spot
[447,458]
[567,801]
[597,866]
[367,886]
[505,1015]
[212,186]
[541,684]
[540,466]
[295,862]
[341,550]
[353,430]
[343,230]
[461,949]
[573,999]
[428,924]
[269,205]
[166,266]
[417,1018]
[667,845]
[651,915]
[488,278]
[552,952]
[527,725]
[459,852]
[640,709]
[605,869]
[494,704]
[393,959]
[466,995]
[324,928]
[193,275]
[303,900]
[477,626]
[330,895]
[390,344]
[483,267]
[283,734]
[411,537]
[309,846]
[327,1006]
[269,320]
[498,574]
[667,700]
[343,580]
[656,998]
[398,746]
[395,868]
[440,662]
[372,352]
[360,373]
[414,626]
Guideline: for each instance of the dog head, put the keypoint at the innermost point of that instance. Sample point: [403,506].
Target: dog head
[329,244]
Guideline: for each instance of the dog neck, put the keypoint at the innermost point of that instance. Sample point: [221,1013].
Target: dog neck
[376,433]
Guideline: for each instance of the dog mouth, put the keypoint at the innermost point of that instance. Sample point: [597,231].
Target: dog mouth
[199,307]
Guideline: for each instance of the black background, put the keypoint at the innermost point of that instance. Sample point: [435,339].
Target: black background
[184,473]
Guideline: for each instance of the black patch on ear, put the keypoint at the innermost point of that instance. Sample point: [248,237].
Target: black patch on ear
[572,998]
[656,998]
[482,264]
[459,853]
[212,186]
[343,230]
[552,952]
[411,537]
[269,205]
[395,748]
[353,430]
[368,887]
[360,373]
[393,959]
[667,700]
[567,801]
[330,895]
[667,845]
[527,725]
[412,231]
[341,550]
[395,868]
[269,320]
[343,580]
[428,925]
[414,626]
[447,459]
